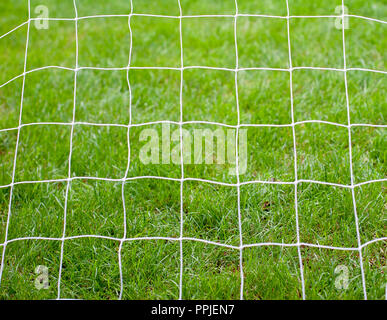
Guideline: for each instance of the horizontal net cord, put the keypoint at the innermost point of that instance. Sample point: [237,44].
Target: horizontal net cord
[219,244]
[128,179]
[212,16]
[188,68]
[178,123]
[195,16]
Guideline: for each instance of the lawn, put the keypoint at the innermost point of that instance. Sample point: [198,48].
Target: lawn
[76,197]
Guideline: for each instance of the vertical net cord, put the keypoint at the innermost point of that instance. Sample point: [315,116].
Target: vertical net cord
[17,143]
[350,154]
[129,153]
[70,153]
[295,155]
[237,153]
[181,153]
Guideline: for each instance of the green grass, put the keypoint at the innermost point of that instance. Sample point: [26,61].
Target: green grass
[151,268]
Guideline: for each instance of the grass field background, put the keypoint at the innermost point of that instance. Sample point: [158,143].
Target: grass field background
[151,268]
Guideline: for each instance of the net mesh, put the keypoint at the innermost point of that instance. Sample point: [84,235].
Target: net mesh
[352,186]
